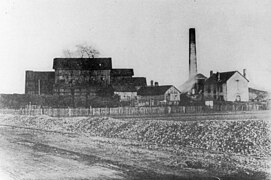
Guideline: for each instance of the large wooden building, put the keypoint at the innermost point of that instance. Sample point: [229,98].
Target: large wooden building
[40,83]
[81,78]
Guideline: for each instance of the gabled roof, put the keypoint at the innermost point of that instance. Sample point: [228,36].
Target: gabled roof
[190,83]
[221,77]
[82,63]
[200,76]
[133,81]
[122,72]
[138,81]
[153,90]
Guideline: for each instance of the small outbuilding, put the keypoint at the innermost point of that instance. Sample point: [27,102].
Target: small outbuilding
[158,95]
[126,93]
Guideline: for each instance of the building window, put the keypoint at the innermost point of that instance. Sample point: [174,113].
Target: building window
[220,89]
[209,89]
[214,96]
[214,90]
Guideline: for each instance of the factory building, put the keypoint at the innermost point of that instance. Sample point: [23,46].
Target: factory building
[83,79]
[226,86]
[81,76]
[40,83]
[221,86]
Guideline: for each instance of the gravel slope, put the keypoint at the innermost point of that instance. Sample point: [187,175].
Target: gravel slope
[233,146]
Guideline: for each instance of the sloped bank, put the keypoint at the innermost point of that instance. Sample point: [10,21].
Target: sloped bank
[241,137]
[239,143]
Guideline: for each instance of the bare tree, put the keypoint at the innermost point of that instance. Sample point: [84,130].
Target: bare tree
[82,51]
[87,51]
[67,53]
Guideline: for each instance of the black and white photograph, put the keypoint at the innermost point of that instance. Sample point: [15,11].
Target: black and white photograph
[135,90]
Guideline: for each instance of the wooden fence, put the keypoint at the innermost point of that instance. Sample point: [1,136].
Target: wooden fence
[132,111]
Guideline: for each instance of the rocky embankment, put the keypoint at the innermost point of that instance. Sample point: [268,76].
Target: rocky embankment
[224,146]
[240,137]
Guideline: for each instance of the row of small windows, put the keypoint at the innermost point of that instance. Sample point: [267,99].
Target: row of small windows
[72,81]
[220,89]
[81,72]
[221,98]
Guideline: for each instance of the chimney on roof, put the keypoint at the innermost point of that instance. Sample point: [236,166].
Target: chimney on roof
[244,73]
[156,84]
[151,82]
[211,73]
[192,53]
[218,76]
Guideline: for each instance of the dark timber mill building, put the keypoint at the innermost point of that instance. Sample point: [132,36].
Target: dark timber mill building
[81,78]
[40,83]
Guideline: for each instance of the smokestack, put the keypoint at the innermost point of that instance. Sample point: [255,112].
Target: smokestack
[244,73]
[211,73]
[192,53]
[151,82]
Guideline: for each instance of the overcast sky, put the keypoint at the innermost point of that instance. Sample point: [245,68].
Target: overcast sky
[150,36]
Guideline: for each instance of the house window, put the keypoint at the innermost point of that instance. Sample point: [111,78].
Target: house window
[214,96]
[209,89]
[214,91]
[220,89]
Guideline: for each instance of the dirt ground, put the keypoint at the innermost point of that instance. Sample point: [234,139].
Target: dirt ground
[32,154]
[27,153]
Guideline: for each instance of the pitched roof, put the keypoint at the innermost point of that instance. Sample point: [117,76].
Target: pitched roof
[224,77]
[133,81]
[83,63]
[153,90]
[138,81]
[200,76]
[122,72]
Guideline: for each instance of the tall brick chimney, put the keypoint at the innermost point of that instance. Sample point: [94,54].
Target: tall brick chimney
[192,53]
